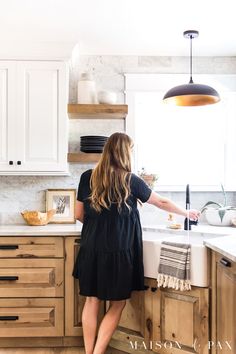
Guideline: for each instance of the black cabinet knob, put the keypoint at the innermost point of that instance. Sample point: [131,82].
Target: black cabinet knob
[10,162]
[153,289]
[18,162]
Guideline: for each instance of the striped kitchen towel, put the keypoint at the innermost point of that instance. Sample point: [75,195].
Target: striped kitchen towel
[174,266]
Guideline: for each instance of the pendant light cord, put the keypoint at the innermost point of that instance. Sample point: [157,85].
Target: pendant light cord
[191,61]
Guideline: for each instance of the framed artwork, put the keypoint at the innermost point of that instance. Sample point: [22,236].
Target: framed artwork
[63,201]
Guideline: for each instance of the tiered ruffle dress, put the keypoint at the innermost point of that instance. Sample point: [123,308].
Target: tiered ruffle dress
[109,264]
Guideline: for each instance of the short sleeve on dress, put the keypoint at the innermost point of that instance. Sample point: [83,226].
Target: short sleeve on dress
[139,188]
[82,188]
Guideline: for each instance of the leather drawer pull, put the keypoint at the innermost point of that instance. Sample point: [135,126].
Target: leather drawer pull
[9,277]
[9,318]
[77,240]
[146,287]
[225,262]
[8,247]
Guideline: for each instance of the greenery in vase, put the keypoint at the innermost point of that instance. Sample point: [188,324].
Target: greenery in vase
[149,178]
[222,208]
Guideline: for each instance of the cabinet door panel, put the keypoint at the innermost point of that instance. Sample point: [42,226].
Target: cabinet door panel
[184,320]
[7,114]
[226,307]
[73,302]
[42,123]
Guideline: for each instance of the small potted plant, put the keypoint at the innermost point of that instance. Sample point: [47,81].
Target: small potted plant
[218,214]
[149,178]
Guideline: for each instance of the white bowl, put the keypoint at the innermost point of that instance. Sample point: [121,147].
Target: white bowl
[213,217]
[107,97]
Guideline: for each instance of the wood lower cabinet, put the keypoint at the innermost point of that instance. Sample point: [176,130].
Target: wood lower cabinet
[31,287]
[74,302]
[164,321]
[184,321]
[39,302]
[135,327]
[223,305]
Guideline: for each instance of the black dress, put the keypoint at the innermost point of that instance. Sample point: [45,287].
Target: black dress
[109,264]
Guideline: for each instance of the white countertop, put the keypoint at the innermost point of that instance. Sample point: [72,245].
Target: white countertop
[203,229]
[75,229]
[226,245]
[46,230]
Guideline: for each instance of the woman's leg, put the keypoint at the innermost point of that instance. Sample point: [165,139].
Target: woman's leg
[108,325]
[89,322]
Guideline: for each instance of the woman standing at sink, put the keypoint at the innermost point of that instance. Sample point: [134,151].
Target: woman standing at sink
[109,264]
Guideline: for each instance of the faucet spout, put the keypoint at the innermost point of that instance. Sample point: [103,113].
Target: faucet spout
[187,222]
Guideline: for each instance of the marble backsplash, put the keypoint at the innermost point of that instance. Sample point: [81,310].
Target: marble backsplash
[18,193]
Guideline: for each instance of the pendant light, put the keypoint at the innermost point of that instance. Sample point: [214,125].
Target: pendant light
[191,94]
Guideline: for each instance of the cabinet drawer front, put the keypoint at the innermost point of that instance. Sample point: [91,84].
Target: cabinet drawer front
[31,277]
[226,263]
[30,247]
[31,317]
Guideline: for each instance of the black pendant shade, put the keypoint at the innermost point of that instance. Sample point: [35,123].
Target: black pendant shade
[191,94]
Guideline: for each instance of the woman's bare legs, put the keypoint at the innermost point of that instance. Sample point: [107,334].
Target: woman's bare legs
[89,322]
[108,325]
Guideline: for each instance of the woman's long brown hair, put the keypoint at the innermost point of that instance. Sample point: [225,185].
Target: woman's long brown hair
[110,180]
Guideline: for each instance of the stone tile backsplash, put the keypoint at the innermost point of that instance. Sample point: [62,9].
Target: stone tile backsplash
[18,193]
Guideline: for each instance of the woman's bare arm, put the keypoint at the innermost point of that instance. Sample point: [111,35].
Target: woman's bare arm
[167,205]
[79,211]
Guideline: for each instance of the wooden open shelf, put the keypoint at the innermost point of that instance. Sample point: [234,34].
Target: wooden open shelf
[83,157]
[97,111]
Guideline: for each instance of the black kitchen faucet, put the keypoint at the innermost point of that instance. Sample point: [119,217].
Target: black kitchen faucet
[187,222]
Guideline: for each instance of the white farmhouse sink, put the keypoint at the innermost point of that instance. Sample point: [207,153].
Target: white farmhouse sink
[199,254]
[151,252]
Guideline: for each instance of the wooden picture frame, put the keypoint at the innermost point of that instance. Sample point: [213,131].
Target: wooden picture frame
[63,200]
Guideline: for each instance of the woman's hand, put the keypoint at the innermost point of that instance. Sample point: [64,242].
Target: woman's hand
[193,214]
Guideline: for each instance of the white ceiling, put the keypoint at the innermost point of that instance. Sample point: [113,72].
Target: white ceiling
[124,27]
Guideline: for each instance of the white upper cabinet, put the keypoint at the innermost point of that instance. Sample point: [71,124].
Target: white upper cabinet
[33,117]
[7,113]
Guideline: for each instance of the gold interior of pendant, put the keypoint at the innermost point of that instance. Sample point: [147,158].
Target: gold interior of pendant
[192,100]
